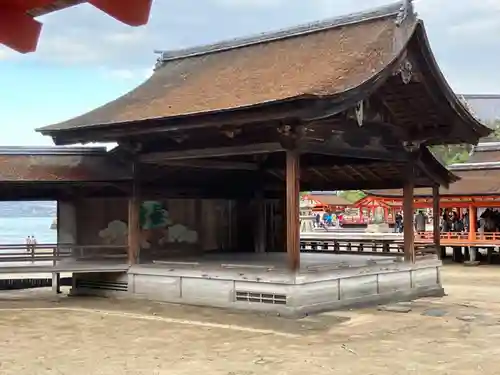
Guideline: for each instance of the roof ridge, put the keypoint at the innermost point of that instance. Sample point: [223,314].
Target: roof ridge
[474,166]
[401,9]
[487,146]
[481,96]
[51,150]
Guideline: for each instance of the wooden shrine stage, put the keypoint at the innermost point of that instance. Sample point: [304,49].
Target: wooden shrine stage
[263,282]
[223,164]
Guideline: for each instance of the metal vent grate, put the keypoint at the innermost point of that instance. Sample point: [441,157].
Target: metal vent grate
[102,285]
[273,299]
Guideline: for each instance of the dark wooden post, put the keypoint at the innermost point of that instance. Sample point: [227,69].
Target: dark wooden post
[134,230]
[436,219]
[292,208]
[260,223]
[408,212]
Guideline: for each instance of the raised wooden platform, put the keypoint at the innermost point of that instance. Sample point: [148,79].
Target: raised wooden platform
[261,282]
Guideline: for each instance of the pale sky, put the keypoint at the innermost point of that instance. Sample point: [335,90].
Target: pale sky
[85,58]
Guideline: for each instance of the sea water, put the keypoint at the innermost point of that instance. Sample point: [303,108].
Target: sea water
[14,230]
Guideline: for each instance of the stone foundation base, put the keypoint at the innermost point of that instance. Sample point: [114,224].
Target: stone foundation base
[269,290]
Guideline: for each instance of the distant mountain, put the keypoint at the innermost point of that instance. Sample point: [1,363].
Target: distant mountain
[28,209]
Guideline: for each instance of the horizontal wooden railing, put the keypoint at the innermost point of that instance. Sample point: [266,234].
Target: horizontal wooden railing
[57,252]
[381,247]
[392,243]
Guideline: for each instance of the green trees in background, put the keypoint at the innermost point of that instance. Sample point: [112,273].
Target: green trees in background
[452,154]
[352,195]
[495,136]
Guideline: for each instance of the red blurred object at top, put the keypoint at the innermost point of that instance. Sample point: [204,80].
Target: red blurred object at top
[20,31]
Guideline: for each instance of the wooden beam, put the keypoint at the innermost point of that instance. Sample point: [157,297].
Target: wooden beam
[434,177]
[319,174]
[436,216]
[385,184]
[253,149]
[340,171]
[210,164]
[342,149]
[390,135]
[134,229]
[408,212]
[292,209]
[276,173]
[277,112]
[382,104]
[231,194]
[355,172]
[369,171]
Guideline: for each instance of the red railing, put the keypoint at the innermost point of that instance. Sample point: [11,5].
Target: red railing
[462,237]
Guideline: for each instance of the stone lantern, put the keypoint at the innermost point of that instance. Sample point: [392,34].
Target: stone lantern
[306,215]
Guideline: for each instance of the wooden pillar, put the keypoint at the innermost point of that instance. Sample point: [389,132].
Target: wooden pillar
[472,222]
[56,282]
[408,213]
[292,209]
[198,222]
[134,230]
[436,216]
[260,224]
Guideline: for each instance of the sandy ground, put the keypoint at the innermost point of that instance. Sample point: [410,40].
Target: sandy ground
[457,334]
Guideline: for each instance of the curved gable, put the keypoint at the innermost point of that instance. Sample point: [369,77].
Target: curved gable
[320,70]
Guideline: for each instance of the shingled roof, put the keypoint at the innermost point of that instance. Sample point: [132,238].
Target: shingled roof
[471,183]
[330,199]
[485,152]
[479,176]
[325,60]
[486,107]
[58,165]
